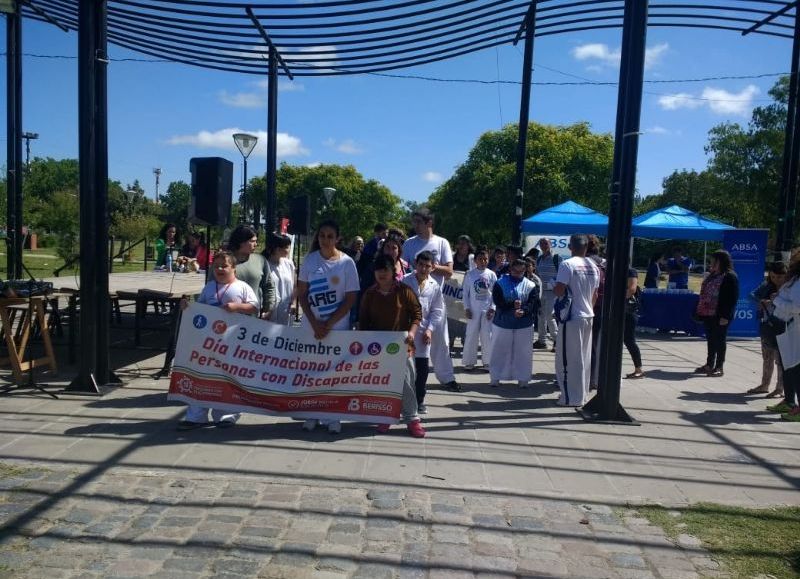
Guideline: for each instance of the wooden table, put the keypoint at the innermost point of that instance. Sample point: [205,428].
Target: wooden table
[141,288]
[17,340]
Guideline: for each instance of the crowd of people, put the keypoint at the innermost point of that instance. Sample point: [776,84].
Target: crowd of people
[513,303]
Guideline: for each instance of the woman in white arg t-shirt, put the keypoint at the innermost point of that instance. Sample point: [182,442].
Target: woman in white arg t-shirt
[327,289]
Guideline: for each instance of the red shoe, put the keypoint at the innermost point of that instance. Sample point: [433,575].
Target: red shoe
[383,428]
[415,429]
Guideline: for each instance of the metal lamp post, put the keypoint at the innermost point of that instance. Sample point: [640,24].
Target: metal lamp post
[157,173]
[245,143]
[28,138]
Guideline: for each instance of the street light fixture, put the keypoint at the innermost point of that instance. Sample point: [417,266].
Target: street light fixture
[245,143]
[28,138]
[328,192]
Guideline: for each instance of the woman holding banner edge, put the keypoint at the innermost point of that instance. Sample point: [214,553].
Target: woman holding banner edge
[327,288]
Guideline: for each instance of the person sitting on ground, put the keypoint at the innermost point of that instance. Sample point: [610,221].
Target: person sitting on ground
[232,295]
[390,306]
[429,293]
[516,302]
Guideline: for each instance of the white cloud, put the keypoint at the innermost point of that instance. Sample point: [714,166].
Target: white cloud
[658,130]
[348,146]
[601,55]
[284,85]
[723,102]
[288,145]
[719,101]
[432,177]
[682,100]
[597,51]
[243,100]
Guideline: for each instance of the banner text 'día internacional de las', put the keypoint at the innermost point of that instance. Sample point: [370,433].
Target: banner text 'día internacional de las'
[241,363]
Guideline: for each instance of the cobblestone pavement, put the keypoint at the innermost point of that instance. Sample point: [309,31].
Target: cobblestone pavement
[61,523]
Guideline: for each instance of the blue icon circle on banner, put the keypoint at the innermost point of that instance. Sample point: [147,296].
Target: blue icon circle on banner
[199,321]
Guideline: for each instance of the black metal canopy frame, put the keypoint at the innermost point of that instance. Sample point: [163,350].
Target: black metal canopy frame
[348,37]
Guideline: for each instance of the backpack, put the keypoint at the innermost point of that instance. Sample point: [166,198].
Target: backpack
[601,267]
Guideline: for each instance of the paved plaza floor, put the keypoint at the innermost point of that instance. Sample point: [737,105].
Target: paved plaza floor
[506,484]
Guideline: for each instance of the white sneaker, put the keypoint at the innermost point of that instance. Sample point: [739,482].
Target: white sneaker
[334,427]
[310,424]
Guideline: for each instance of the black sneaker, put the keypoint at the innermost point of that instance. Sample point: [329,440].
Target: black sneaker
[539,346]
[453,386]
[422,409]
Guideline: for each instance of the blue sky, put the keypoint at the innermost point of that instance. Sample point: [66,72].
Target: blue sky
[408,134]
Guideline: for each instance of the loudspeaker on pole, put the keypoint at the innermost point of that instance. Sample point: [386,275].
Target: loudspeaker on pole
[212,186]
[300,215]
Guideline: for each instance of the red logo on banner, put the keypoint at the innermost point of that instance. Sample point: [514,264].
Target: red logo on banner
[356,348]
[219,327]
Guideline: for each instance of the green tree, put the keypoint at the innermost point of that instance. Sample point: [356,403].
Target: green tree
[741,184]
[357,205]
[561,163]
[175,203]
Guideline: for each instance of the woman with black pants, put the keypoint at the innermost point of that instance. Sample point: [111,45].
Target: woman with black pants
[631,320]
[718,296]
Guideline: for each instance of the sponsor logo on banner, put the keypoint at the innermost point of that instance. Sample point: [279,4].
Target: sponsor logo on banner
[240,363]
[748,251]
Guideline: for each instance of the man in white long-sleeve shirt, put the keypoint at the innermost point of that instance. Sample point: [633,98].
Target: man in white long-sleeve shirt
[425,240]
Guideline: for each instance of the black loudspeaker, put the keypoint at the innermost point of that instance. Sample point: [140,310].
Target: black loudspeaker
[300,215]
[212,184]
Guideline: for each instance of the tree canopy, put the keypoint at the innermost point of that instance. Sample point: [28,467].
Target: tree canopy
[741,183]
[357,205]
[561,163]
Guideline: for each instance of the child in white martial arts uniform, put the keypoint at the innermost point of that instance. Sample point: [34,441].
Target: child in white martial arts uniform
[429,294]
[516,300]
[232,295]
[479,309]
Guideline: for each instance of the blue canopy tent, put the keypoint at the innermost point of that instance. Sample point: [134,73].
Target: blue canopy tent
[566,219]
[675,222]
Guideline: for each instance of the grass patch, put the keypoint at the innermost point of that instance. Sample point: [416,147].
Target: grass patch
[748,542]
[9,470]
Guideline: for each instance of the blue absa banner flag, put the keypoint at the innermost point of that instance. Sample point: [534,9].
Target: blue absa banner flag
[748,248]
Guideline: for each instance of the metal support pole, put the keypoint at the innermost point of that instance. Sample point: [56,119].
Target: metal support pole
[272,139]
[605,405]
[243,208]
[89,12]
[524,112]
[103,374]
[14,144]
[787,201]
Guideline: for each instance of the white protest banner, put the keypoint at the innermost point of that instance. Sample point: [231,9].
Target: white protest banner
[453,292]
[240,363]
